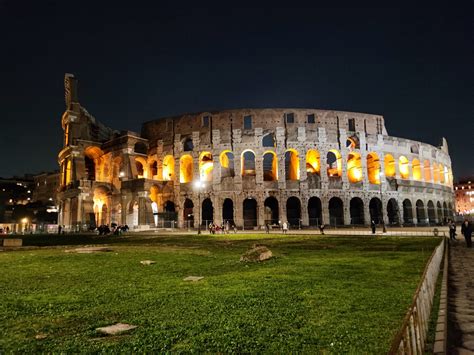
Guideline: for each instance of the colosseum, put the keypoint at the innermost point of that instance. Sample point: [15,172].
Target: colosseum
[249,167]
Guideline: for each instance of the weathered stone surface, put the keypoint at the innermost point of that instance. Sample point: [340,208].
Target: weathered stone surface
[116,328]
[193,278]
[257,253]
[12,242]
[147,262]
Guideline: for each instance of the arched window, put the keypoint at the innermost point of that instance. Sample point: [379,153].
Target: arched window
[206,165]
[373,168]
[268,140]
[403,167]
[186,169]
[248,163]
[92,157]
[427,170]
[389,164]
[292,165]
[416,168]
[270,166]
[435,173]
[334,163]
[168,168]
[154,170]
[140,164]
[188,145]
[227,164]
[441,173]
[313,162]
[354,167]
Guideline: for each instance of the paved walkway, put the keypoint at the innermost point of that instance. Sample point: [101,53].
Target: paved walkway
[460,298]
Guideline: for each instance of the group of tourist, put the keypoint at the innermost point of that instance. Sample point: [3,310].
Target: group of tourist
[225,228]
[5,230]
[114,229]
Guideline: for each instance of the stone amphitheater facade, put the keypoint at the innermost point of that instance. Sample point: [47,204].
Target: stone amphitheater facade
[249,167]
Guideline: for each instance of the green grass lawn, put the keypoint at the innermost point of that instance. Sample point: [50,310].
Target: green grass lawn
[319,294]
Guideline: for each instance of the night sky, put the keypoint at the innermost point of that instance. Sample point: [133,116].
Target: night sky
[139,61]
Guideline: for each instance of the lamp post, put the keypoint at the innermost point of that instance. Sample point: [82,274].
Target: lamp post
[199,185]
[384,230]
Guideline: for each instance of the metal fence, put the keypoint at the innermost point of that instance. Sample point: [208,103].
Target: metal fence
[412,335]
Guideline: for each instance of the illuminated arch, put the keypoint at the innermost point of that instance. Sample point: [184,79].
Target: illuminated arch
[450,176]
[446,175]
[403,167]
[248,163]
[441,173]
[373,168]
[142,169]
[186,169]
[226,159]
[389,165]
[416,169]
[292,165]
[427,170]
[354,167]
[313,162]
[101,200]
[153,169]
[93,163]
[206,165]
[168,168]
[334,163]
[270,166]
[435,173]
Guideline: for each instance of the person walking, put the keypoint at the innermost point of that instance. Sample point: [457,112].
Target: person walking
[466,231]
[373,226]
[452,229]
[267,228]
[285,227]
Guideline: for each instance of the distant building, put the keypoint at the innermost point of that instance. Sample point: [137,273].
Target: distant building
[14,191]
[464,194]
[46,188]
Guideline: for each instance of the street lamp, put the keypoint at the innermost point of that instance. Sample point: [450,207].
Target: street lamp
[384,230]
[199,185]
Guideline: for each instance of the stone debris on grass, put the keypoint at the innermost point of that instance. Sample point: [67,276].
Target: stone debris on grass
[147,262]
[116,328]
[89,250]
[257,253]
[193,278]
[40,336]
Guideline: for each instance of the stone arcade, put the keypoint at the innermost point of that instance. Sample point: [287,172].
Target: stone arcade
[304,166]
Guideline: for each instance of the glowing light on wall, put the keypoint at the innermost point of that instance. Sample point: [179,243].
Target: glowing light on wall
[292,164]
[403,166]
[206,165]
[186,169]
[435,173]
[270,166]
[334,163]
[142,171]
[313,162]
[227,164]
[248,163]
[168,168]
[427,170]
[373,168]
[354,167]
[416,168]
[441,173]
[389,164]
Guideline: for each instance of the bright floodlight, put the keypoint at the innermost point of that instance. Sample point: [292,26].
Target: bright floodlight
[198,184]
[24,220]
